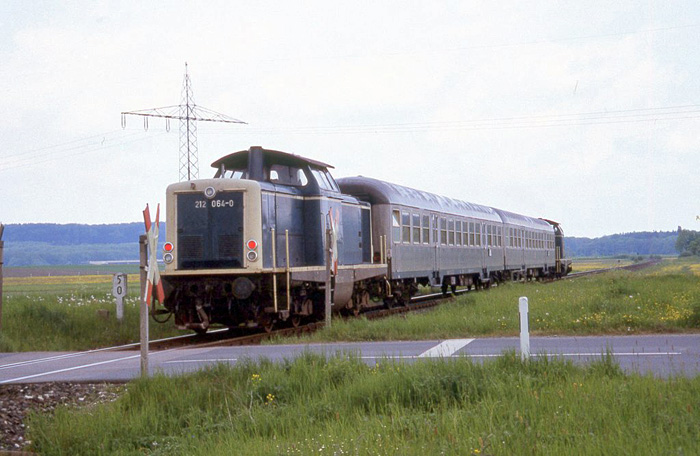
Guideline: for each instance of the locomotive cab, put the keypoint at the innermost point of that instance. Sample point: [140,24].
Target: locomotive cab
[249,244]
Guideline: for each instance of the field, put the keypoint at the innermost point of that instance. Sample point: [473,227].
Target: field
[61,312]
[340,406]
[664,298]
[589,264]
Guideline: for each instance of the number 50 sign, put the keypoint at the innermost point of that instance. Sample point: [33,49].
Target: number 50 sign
[119,291]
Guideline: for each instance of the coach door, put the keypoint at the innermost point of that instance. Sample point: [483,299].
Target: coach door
[436,248]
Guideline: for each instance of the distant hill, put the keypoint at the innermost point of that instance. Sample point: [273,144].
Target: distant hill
[76,234]
[641,243]
[49,244]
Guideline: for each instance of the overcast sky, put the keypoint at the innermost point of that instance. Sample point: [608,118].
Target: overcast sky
[583,112]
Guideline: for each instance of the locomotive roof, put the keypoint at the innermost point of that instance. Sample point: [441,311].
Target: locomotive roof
[239,159]
[380,192]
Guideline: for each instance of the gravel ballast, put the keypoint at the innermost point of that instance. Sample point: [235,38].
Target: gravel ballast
[16,401]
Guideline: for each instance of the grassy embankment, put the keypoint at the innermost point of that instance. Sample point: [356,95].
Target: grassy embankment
[664,298]
[589,264]
[60,312]
[342,406]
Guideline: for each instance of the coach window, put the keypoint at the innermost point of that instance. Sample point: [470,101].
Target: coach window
[443,231]
[406,227]
[396,226]
[451,231]
[471,233]
[426,229]
[458,232]
[435,229]
[499,239]
[477,234]
[415,219]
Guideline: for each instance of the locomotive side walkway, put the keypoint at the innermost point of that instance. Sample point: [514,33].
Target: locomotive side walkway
[660,355]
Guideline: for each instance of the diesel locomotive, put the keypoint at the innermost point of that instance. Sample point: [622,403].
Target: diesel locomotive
[248,247]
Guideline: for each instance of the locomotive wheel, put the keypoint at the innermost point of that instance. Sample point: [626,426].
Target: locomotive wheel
[389,302]
[269,326]
[453,288]
[296,320]
[355,311]
[444,289]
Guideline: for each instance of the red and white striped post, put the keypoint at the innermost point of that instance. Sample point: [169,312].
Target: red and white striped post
[149,264]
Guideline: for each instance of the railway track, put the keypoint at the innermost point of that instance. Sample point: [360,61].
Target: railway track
[234,337]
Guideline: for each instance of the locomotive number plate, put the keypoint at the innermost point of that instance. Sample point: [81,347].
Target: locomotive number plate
[203,204]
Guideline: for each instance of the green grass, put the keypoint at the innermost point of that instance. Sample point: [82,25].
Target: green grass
[648,301]
[60,313]
[335,406]
[66,317]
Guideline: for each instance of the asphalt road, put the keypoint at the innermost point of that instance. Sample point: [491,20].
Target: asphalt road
[659,355]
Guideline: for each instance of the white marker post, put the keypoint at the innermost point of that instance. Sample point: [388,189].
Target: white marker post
[119,291]
[524,329]
[2,245]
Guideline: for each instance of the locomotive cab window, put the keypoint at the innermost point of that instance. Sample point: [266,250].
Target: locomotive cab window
[235,174]
[287,175]
[324,180]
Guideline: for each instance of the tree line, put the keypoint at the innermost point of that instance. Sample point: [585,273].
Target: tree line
[688,243]
[47,244]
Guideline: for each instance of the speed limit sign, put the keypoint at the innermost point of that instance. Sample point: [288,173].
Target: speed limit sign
[119,291]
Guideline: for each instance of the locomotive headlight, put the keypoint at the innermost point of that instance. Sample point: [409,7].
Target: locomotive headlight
[252,246]
[168,248]
[210,192]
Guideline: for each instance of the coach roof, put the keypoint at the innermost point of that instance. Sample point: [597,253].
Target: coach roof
[380,192]
[524,221]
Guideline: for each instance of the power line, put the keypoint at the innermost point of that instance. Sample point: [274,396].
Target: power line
[188,113]
[669,113]
[61,153]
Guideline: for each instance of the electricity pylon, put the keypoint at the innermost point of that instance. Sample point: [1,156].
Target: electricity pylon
[188,113]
